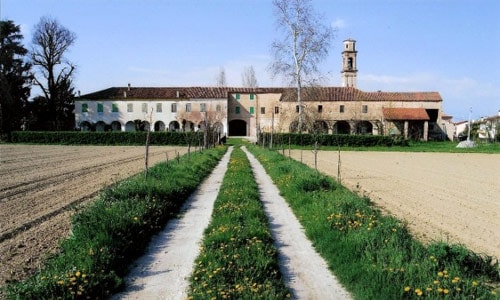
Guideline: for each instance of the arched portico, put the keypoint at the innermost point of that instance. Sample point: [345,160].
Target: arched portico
[342,127]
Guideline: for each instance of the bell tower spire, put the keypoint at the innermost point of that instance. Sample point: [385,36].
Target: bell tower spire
[349,63]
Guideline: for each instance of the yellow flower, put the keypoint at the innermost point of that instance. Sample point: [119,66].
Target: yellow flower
[446,291]
[474,283]
[418,292]
[77,274]
[407,288]
[440,274]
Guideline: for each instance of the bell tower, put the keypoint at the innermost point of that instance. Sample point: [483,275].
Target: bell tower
[349,63]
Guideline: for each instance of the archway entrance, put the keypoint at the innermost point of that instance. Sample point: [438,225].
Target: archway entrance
[237,128]
[342,127]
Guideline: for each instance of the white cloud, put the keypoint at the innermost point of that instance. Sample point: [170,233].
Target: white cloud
[339,23]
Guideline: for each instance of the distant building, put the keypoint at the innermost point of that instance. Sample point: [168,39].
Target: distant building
[237,111]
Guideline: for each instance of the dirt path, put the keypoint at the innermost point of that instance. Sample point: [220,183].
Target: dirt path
[449,197]
[305,271]
[41,185]
[162,273]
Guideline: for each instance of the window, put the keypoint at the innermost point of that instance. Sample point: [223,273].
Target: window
[188,107]
[100,108]
[320,108]
[114,107]
[237,96]
[85,107]
[297,109]
[144,107]
[218,107]
[203,107]
[263,110]
[159,108]
[237,110]
[130,107]
[252,110]
[252,96]
[342,108]
[173,107]
[364,109]
[276,110]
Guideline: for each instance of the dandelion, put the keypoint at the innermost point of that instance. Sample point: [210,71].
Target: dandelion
[446,291]
[418,292]
[474,283]
[77,274]
[407,288]
[440,274]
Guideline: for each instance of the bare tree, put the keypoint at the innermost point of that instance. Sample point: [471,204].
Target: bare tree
[248,78]
[304,45]
[51,41]
[221,78]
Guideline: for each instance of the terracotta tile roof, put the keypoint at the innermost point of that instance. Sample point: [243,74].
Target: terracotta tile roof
[405,114]
[288,94]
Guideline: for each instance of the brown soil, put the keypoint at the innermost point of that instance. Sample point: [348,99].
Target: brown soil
[40,187]
[442,196]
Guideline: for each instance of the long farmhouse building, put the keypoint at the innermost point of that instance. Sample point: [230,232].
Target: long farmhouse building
[237,111]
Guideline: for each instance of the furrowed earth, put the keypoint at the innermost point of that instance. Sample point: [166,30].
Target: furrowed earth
[450,197]
[40,187]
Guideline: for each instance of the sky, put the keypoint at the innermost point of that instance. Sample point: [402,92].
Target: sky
[448,46]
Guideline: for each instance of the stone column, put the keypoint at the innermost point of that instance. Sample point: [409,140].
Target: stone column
[406,130]
[426,130]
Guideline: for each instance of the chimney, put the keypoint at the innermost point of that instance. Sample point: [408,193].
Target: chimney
[124,94]
[128,87]
[178,94]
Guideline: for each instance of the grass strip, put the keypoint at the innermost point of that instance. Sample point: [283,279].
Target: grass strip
[238,259]
[413,146]
[372,254]
[114,230]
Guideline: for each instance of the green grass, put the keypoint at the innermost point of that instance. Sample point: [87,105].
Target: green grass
[238,259]
[374,255]
[114,230]
[449,147]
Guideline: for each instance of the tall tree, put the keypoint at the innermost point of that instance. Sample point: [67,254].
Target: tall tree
[248,78]
[54,73]
[304,44]
[221,78]
[15,78]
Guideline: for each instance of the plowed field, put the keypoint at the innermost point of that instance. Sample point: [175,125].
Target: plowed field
[41,185]
[451,197]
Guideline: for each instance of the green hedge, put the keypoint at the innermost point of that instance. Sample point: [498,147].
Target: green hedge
[333,139]
[105,138]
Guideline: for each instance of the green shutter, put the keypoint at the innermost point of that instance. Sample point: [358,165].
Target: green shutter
[252,110]
[251,96]
[237,110]
[85,107]
[100,108]
[237,96]
[114,107]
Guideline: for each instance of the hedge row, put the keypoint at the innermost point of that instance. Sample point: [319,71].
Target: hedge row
[333,139]
[106,138]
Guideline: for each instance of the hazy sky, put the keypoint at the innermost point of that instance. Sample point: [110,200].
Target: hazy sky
[449,46]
